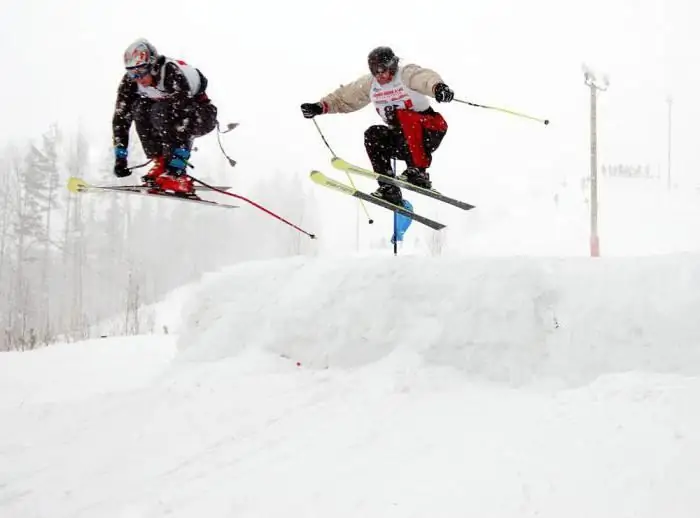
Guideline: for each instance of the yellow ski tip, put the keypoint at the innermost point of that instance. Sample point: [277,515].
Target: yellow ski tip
[77,185]
[339,163]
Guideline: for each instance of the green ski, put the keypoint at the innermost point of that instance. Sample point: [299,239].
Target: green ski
[343,165]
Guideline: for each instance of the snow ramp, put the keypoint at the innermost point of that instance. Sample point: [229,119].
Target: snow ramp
[515,321]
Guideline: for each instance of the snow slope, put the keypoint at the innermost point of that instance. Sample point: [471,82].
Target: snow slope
[381,386]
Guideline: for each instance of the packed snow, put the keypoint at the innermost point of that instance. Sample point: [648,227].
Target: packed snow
[377,386]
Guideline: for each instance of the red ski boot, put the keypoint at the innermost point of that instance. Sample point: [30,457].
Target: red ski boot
[156,170]
[180,185]
[175,178]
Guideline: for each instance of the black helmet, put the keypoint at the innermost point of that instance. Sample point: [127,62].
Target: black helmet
[382,59]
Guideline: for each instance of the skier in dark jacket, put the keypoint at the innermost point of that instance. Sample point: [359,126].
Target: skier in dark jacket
[167,101]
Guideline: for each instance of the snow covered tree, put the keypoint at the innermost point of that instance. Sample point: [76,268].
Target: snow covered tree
[74,319]
[41,181]
[9,199]
[260,236]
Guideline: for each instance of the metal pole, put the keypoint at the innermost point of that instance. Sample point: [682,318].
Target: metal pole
[594,240]
[669,100]
[396,237]
[595,85]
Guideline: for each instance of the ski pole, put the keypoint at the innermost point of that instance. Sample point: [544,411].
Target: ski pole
[230,126]
[133,167]
[511,112]
[323,137]
[256,205]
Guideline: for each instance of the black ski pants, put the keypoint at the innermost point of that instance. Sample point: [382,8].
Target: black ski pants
[411,137]
[164,125]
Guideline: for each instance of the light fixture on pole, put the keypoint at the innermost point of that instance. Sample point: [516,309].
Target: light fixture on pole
[596,84]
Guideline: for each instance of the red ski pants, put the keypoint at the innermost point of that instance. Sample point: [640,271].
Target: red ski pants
[413,138]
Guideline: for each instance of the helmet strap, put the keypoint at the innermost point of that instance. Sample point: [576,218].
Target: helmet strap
[156,67]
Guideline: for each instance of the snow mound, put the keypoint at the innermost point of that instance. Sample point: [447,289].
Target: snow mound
[511,320]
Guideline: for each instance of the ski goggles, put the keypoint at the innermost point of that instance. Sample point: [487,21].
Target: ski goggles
[139,71]
[382,69]
[378,68]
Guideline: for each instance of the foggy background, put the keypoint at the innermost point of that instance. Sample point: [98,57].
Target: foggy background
[69,263]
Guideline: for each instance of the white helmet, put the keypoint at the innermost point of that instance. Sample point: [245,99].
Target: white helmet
[140,54]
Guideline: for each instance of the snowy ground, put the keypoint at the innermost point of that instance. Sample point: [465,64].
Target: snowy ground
[392,387]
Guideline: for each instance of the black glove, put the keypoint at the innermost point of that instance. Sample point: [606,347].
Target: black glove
[443,93]
[310,110]
[121,168]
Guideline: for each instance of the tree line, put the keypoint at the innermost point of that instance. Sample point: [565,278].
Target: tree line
[77,266]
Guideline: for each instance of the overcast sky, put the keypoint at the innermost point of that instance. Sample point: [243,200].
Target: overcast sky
[63,61]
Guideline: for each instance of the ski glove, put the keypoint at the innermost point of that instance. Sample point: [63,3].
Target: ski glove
[443,93]
[310,110]
[121,166]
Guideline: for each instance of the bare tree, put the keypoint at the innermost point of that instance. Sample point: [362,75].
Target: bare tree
[259,235]
[436,241]
[74,319]
[41,182]
[99,259]
[9,187]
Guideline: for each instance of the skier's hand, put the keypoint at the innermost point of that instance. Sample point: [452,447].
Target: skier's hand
[310,110]
[443,93]
[121,166]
